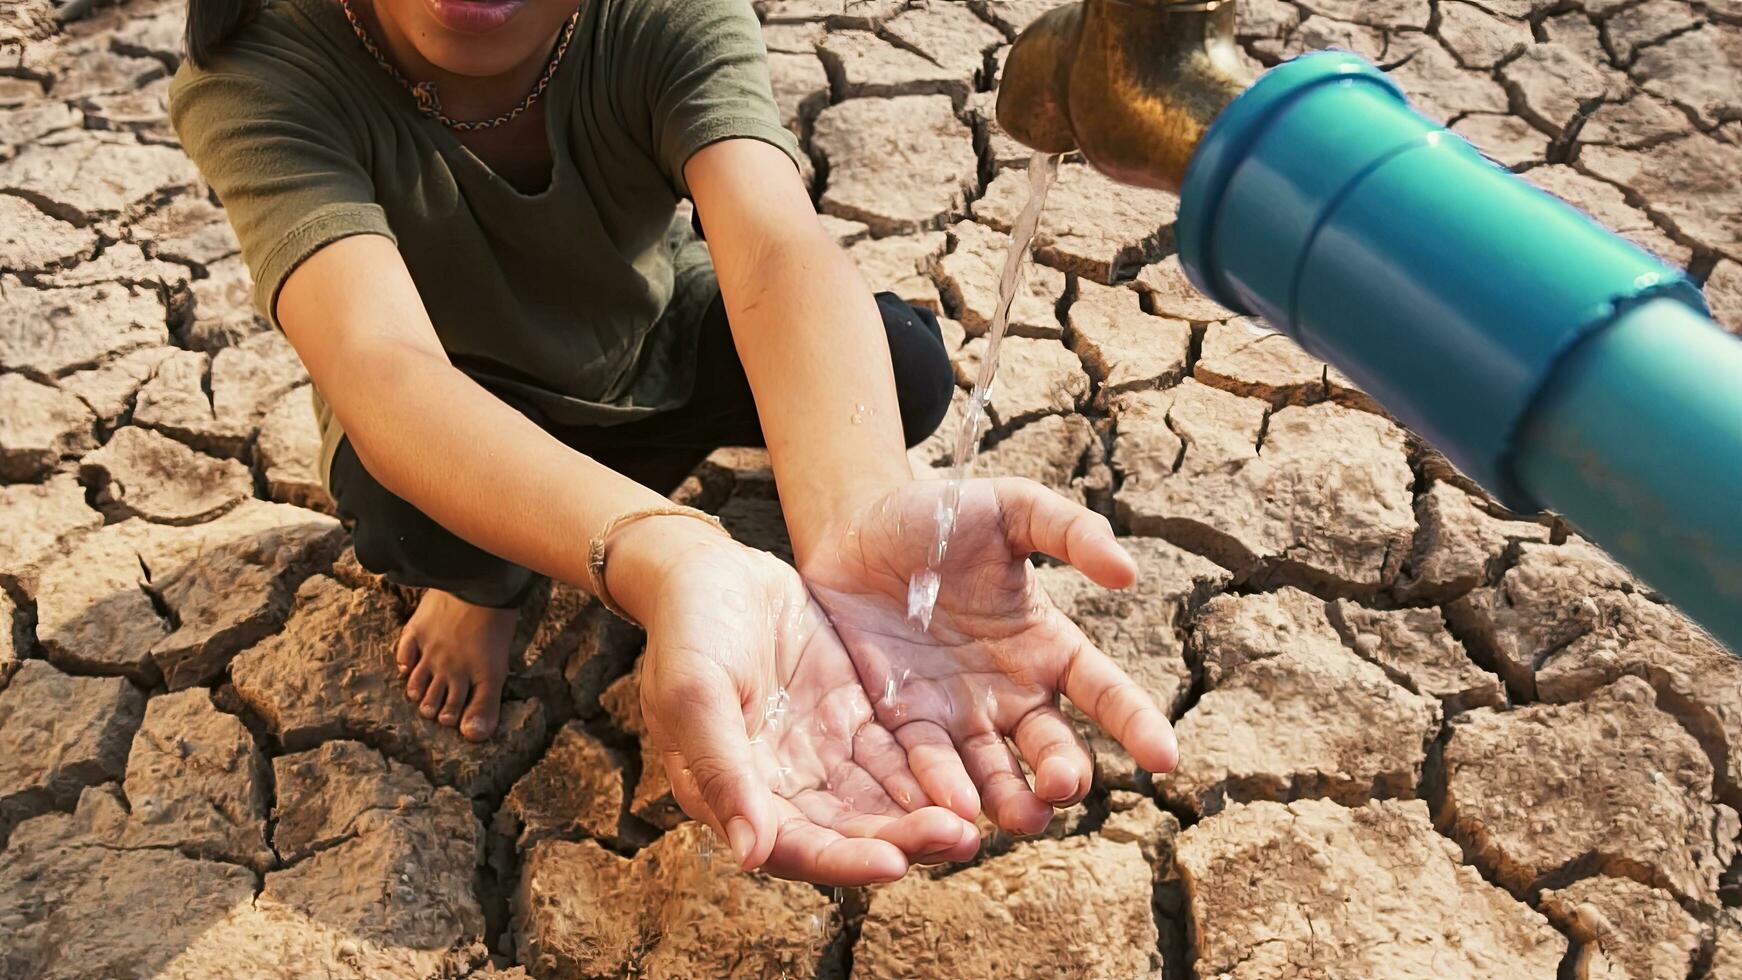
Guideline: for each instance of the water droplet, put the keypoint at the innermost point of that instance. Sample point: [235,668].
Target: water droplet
[861,412]
[922,598]
[893,682]
[774,709]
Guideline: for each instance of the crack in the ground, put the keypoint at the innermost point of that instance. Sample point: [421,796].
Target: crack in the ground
[1273,571]
[23,618]
[164,611]
[1664,222]
[169,60]
[1185,442]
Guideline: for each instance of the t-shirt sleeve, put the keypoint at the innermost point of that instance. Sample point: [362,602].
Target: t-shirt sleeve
[289,178]
[707,80]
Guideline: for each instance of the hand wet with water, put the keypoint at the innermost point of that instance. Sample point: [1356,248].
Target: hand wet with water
[828,739]
[769,736]
[988,670]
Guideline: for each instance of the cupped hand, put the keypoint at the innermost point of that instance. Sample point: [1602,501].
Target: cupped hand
[768,735]
[989,670]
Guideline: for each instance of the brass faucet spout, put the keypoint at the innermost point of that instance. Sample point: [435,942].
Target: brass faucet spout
[1133,84]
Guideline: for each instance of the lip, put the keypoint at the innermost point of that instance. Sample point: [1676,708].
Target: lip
[474,16]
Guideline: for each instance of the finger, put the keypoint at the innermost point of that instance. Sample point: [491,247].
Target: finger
[455,702]
[678,776]
[706,721]
[1037,519]
[684,790]
[1112,700]
[855,818]
[963,850]
[851,803]
[1008,800]
[804,851]
[935,763]
[877,751]
[924,834]
[433,698]
[858,808]
[406,653]
[1064,771]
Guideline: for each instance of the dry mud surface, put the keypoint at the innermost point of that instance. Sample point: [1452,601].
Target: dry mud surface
[1422,737]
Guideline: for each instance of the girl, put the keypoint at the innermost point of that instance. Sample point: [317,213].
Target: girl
[461,213]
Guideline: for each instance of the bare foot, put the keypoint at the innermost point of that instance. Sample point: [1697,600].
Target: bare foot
[454,656]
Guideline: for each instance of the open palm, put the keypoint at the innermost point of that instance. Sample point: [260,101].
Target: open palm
[989,670]
[769,736]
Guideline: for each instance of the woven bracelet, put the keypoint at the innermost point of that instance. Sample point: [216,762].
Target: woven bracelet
[596,550]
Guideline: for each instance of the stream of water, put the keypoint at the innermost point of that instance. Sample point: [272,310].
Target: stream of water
[922,589]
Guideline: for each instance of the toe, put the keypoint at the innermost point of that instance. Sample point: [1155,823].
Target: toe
[406,654]
[418,683]
[455,702]
[432,700]
[479,722]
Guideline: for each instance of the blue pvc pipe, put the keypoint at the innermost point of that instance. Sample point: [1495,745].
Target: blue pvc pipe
[1638,439]
[1453,291]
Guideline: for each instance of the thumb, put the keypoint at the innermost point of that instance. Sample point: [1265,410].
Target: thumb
[699,708]
[1037,519]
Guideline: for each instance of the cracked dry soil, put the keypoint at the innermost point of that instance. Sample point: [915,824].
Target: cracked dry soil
[1423,737]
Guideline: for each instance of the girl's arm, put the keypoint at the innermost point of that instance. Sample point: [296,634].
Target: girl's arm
[809,334]
[442,442]
[484,471]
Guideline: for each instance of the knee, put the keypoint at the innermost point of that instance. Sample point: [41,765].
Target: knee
[419,553]
[395,539]
[925,380]
[924,406]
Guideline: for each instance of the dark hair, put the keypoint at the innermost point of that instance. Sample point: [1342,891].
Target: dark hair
[213,22]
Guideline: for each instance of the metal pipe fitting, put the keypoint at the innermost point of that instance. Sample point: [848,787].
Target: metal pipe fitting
[1133,84]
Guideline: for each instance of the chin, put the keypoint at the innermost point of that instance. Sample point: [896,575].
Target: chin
[472,57]
[480,38]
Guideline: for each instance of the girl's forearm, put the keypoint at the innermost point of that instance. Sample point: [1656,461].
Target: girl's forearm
[809,334]
[440,441]
[487,473]
[484,471]
[813,345]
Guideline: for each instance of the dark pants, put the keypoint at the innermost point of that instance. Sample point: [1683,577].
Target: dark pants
[395,539]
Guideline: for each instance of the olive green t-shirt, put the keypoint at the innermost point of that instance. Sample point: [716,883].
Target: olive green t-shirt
[580,301]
